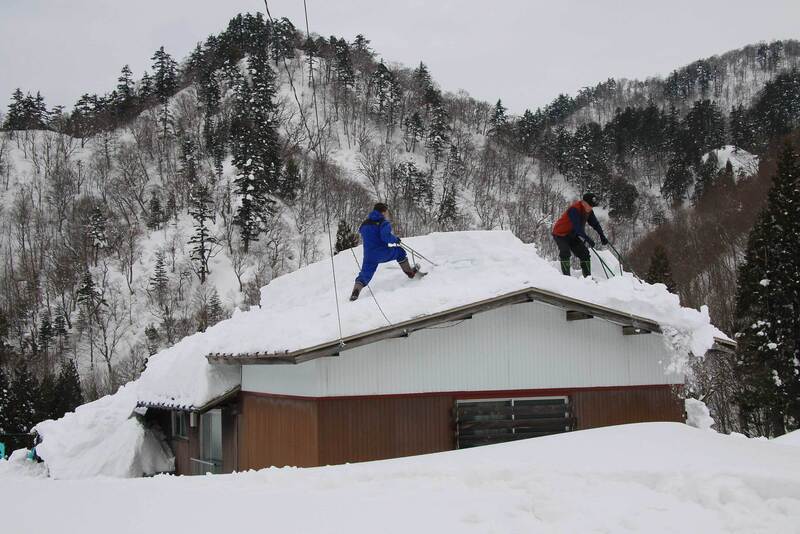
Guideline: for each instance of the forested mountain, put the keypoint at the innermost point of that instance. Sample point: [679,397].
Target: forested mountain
[153,211]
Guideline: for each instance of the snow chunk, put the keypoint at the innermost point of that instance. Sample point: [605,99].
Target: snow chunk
[18,465]
[102,438]
[697,415]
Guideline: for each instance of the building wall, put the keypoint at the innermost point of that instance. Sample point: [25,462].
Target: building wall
[304,432]
[523,346]
[276,431]
[596,408]
[374,428]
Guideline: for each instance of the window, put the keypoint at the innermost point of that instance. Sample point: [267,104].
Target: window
[179,424]
[483,422]
[210,460]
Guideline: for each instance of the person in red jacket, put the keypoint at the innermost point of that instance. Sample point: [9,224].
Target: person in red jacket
[570,235]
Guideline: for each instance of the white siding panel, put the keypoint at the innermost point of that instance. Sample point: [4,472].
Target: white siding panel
[526,346]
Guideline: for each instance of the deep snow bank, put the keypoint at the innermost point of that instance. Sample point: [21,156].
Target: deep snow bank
[298,310]
[651,478]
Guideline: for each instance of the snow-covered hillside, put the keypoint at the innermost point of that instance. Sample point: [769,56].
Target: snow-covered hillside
[649,478]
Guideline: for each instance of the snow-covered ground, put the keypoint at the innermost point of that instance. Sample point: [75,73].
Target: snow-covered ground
[653,478]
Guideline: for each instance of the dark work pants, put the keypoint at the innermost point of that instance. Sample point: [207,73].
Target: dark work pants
[571,244]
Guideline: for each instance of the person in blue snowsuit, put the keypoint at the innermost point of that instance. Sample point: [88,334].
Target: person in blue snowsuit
[376,235]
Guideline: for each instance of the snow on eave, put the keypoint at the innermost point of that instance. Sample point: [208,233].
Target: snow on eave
[177,405]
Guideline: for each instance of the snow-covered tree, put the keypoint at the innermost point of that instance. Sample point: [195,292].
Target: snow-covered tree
[660,271]
[345,237]
[768,308]
[203,240]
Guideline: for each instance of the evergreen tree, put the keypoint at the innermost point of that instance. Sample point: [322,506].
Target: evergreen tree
[125,100]
[155,213]
[768,308]
[216,312]
[165,75]
[89,296]
[45,334]
[290,181]
[47,402]
[345,75]
[159,281]
[256,149]
[414,131]
[203,240]
[283,39]
[15,117]
[97,231]
[23,395]
[345,237]
[498,121]
[6,408]
[171,209]
[660,271]
[68,389]
[438,132]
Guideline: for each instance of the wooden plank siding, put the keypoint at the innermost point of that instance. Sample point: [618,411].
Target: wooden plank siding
[276,431]
[363,429]
[597,408]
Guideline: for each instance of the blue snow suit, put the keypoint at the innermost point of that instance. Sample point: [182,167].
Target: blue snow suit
[376,235]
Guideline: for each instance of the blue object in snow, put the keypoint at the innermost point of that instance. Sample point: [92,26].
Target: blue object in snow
[376,235]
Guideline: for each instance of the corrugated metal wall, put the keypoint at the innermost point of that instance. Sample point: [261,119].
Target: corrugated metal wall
[525,346]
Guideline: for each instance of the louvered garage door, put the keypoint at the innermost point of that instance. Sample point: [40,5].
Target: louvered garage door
[483,422]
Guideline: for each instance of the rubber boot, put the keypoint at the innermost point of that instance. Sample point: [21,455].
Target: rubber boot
[565,267]
[586,268]
[356,291]
[410,271]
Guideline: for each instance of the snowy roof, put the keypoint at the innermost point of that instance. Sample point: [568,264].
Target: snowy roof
[298,320]
[299,310]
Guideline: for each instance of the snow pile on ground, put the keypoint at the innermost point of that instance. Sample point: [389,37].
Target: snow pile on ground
[792,438]
[18,465]
[651,478]
[697,415]
[101,438]
[743,162]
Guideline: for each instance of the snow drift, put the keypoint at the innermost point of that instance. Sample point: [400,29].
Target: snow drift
[650,478]
[298,310]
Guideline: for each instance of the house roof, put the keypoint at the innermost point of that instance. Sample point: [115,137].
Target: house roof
[303,315]
[575,310]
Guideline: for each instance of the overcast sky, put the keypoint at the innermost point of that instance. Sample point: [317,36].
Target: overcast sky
[523,51]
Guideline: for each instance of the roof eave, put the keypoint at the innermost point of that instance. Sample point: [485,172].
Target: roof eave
[333,348]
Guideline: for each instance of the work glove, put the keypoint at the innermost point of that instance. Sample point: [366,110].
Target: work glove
[588,241]
[603,240]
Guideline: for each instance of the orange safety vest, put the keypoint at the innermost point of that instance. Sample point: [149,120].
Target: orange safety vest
[563,226]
